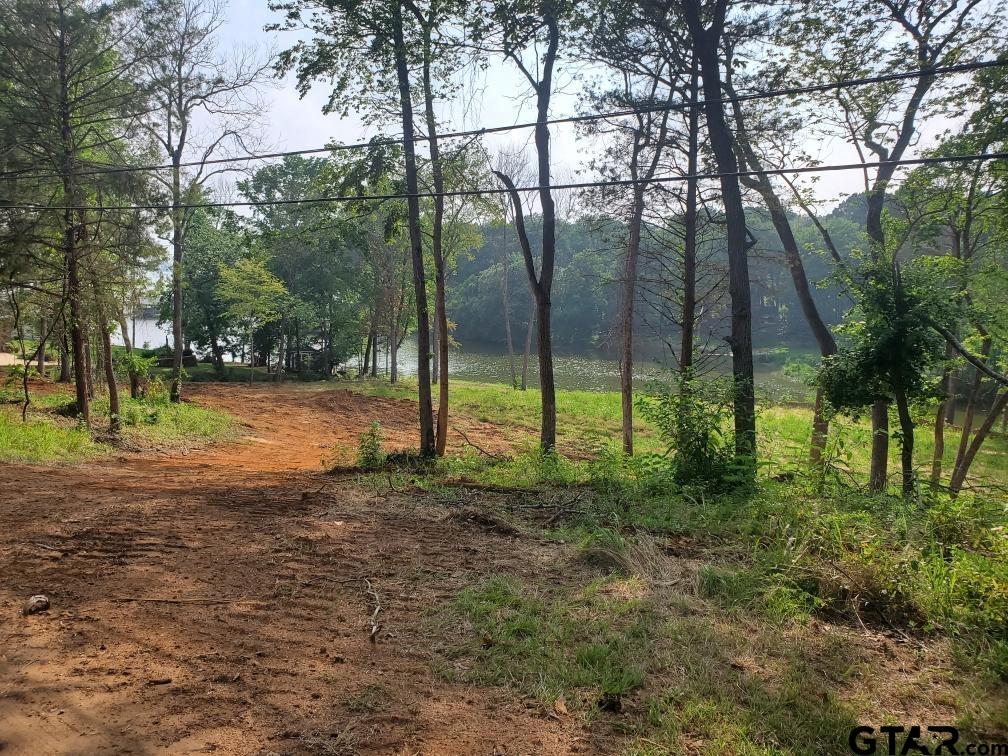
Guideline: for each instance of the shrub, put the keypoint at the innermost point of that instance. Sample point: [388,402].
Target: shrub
[692,419]
[369,451]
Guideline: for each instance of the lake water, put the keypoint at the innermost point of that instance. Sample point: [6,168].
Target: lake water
[572,370]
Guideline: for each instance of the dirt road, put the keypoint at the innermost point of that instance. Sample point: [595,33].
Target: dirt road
[216,601]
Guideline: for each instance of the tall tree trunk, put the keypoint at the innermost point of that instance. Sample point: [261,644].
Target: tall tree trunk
[115,424]
[176,219]
[690,218]
[529,326]
[437,248]
[541,284]
[42,347]
[252,355]
[367,355]
[70,250]
[906,442]
[426,409]
[627,298]
[939,426]
[506,302]
[971,402]
[394,346]
[217,354]
[706,43]
[961,471]
[878,472]
[792,254]
[128,343]
[953,398]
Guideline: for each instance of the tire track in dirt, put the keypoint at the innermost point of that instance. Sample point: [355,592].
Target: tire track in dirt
[278,660]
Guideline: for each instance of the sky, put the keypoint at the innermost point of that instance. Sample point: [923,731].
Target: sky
[500,97]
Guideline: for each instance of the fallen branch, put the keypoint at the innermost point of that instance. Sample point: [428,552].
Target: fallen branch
[375,625]
[481,450]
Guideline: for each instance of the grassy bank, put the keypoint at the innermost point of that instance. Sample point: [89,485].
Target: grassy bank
[51,432]
[705,610]
[588,420]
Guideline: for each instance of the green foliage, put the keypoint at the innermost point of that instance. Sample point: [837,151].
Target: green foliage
[578,643]
[133,363]
[43,441]
[891,344]
[369,451]
[692,419]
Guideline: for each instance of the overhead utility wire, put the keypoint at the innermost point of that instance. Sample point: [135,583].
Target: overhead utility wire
[577,185]
[679,106]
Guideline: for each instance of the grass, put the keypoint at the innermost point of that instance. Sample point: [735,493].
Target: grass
[43,441]
[777,561]
[588,420]
[582,644]
[50,434]
[671,671]
[204,372]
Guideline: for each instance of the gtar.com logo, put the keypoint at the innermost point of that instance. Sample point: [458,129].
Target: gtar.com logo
[933,739]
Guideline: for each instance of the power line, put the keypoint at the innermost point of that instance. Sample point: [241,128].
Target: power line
[577,185]
[679,106]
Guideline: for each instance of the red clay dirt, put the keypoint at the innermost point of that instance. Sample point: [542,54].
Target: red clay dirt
[215,601]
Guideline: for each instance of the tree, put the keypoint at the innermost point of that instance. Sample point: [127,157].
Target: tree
[362,48]
[706,29]
[253,297]
[72,104]
[214,242]
[842,40]
[520,28]
[187,76]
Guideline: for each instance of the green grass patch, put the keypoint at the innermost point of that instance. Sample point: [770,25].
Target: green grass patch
[588,421]
[582,643]
[51,433]
[43,441]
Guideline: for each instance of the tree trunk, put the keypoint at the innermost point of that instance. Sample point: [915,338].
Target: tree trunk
[541,285]
[690,218]
[367,355]
[70,234]
[437,249]
[115,424]
[906,443]
[426,410]
[939,427]
[971,402]
[218,357]
[878,472]
[959,474]
[281,347]
[252,355]
[706,45]
[176,218]
[394,347]
[792,254]
[64,361]
[128,343]
[42,347]
[506,301]
[627,297]
[528,345]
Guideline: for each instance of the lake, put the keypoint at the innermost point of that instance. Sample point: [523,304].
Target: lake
[590,371]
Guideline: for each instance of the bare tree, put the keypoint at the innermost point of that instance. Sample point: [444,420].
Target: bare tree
[203,104]
[540,78]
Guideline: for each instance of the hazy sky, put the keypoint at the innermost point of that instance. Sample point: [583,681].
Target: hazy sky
[502,98]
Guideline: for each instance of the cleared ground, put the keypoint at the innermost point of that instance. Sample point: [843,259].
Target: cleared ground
[218,601]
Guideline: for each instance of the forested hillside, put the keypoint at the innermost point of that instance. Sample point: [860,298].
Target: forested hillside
[588,275]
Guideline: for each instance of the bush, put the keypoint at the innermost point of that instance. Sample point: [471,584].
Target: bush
[369,451]
[692,419]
